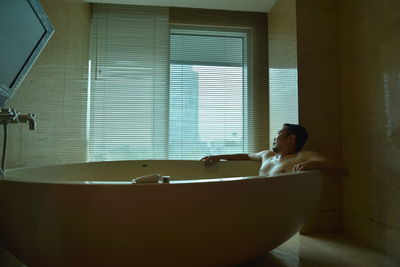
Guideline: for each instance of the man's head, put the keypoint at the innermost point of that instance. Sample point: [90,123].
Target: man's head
[290,139]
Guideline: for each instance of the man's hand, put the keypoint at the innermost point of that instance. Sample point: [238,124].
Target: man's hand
[327,167]
[210,160]
[307,165]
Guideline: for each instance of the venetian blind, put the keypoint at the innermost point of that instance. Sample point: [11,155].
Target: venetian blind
[128,110]
[255,23]
[208,92]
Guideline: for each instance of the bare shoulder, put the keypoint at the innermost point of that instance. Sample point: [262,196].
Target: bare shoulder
[269,153]
[261,155]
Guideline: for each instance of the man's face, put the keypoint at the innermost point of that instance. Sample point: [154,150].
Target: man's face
[281,141]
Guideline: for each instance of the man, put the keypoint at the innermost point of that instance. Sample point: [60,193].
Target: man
[286,155]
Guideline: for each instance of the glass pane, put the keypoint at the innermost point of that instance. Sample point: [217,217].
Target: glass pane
[283,99]
[206,111]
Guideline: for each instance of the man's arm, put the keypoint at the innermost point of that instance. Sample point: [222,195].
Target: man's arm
[316,161]
[210,160]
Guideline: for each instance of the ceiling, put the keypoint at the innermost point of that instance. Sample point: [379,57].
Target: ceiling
[240,5]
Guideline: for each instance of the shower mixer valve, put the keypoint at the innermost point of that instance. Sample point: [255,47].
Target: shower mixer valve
[13,116]
[7,116]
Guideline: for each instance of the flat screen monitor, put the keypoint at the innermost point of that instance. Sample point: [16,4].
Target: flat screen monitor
[24,31]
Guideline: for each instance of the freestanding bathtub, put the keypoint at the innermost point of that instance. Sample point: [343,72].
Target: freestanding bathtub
[90,214]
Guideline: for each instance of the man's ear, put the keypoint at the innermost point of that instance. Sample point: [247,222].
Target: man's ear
[291,138]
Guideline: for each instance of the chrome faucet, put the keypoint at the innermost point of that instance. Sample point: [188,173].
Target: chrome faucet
[13,116]
[8,116]
[30,119]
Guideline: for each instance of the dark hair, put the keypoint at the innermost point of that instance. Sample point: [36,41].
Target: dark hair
[299,131]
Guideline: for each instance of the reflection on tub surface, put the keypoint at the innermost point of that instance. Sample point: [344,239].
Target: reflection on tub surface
[91,214]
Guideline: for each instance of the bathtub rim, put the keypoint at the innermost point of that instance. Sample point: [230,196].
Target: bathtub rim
[173,182]
[24,179]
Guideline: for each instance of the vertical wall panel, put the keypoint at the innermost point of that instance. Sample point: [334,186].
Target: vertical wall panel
[318,64]
[282,61]
[320,99]
[370,84]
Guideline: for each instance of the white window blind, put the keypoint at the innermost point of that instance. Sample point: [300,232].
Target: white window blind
[129,83]
[161,94]
[208,93]
[283,100]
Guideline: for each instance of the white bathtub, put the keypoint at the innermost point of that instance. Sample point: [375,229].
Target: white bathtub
[91,215]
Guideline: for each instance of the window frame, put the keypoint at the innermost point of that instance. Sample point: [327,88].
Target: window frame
[231,32]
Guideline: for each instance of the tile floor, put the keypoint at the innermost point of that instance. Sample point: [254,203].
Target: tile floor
[324,250]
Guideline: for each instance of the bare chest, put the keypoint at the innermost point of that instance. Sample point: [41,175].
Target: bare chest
[272,166]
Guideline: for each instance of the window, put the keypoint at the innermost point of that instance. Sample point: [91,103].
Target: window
[208,93]
[161,91]
[283,99]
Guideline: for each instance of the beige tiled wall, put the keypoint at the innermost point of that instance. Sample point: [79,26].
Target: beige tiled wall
[318,68]
[55,89]
[282,36]
[370,84]
[319,100]
[349,94]
[282,63]
[282,41]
